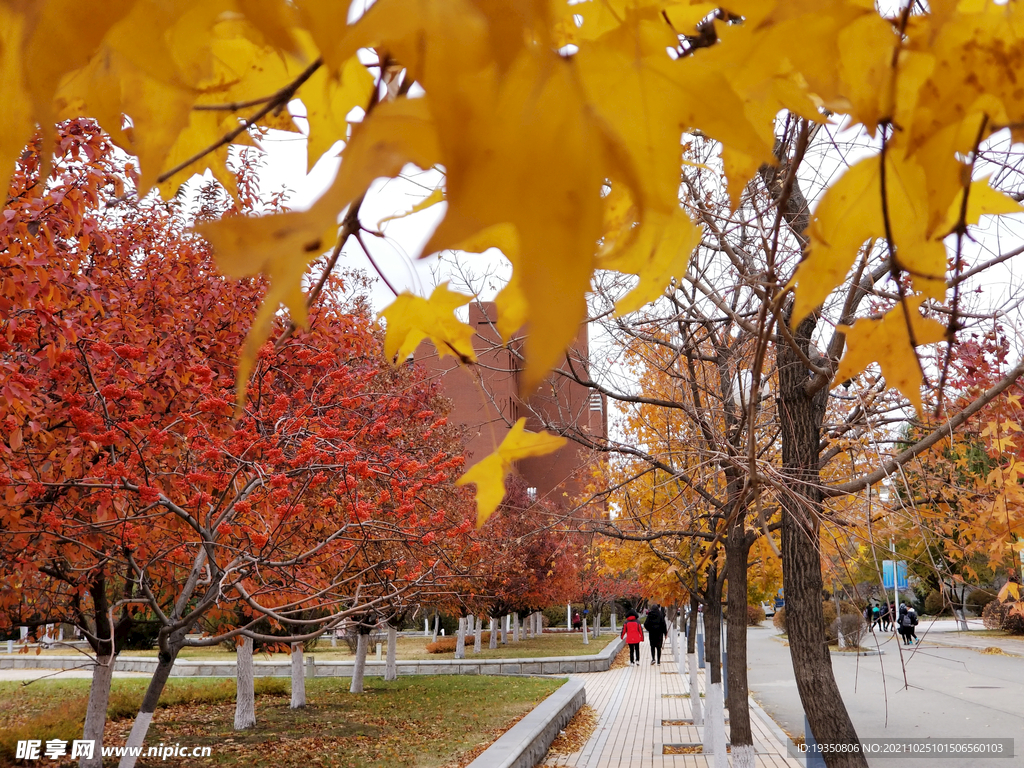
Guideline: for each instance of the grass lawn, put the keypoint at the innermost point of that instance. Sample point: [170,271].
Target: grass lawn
[424,722]
[414,649]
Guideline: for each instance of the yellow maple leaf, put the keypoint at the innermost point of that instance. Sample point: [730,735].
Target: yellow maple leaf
[886,340]
[411,319]
[435,197]
[15,122]
[489,473]
[328,99]
[659,253]
[1009,590]
[850,212]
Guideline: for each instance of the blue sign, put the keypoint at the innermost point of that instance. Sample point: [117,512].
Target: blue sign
[891,568]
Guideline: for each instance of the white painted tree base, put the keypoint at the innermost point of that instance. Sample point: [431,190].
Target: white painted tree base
[298,677]
[714,726]
[135,738]
[460,640]
[695,706]
[391,670]
[359,668]
[245,690]
[96,711]
[743,757]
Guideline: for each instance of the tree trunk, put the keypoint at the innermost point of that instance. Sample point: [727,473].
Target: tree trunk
[245,689]
[478,638]
[145,716]
[691,661]
[437,623]
[714,727]
[391,670]
[298,677]
[515,627]
[96,712]
[737,548]
[360,665]
[493,642]
[801,417]
[460,639]
[586,636]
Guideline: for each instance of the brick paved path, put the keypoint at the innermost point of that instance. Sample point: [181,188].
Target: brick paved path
[633,702]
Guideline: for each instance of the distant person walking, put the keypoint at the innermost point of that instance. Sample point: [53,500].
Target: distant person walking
[634,635]
[577,622]
[912,615]
[656,631]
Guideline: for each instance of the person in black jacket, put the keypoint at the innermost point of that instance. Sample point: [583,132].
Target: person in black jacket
[656,631]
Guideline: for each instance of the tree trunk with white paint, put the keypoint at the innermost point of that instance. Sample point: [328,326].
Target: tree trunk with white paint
[391,669]
[96,712]
[515,628]
[360,666]
[460,639]
[691,661]
[298,677]
[586,637]
[714,728]
[145,716]
[493,642]
[437,623]
[478,638]
[245,687]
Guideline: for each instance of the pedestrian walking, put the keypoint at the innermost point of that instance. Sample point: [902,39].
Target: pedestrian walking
[876,617]
[634,635]
[577,622]
[886,616]
[906,625]
[912,616]
[656,631]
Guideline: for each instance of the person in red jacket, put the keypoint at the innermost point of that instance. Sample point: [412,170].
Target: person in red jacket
[634,635]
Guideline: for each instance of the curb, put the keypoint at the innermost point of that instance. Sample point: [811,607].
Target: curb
[540,665]
[791,750]
[525,743]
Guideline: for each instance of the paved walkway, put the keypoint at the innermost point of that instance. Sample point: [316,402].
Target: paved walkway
[633,704]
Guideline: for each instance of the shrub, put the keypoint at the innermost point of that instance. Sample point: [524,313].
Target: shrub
[447,644]
[933,603]
[993,615]
[779,620]
[755,615]
[1013,622]
[828,609]
[853,627]
[978,599]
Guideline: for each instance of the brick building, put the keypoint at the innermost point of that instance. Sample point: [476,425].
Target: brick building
[487,400]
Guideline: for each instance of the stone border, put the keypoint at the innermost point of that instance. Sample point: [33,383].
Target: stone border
[526,743]
[549,665]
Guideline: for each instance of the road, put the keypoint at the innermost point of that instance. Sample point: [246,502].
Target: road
[946,693]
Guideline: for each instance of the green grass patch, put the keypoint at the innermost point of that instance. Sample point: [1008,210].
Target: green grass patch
[421,722]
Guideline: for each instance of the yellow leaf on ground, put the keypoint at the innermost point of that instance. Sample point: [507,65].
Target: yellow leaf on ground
[411,319]
[489,473]
[887,341]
